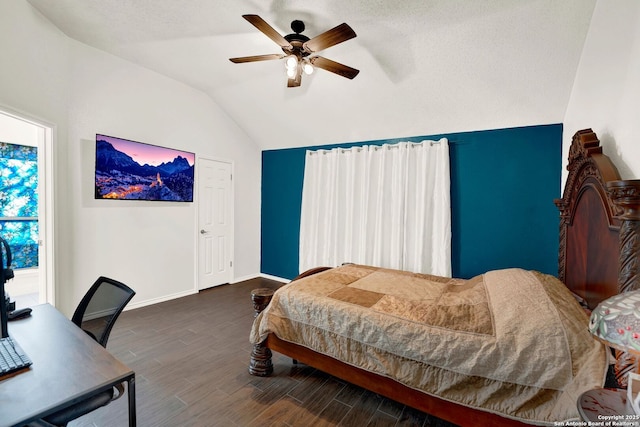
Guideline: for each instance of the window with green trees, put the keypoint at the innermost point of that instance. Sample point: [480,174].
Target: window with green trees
[19,202]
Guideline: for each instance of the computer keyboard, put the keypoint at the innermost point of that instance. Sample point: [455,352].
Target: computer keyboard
[12,357]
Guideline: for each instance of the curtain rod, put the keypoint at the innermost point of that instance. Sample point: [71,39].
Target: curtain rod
[388,145]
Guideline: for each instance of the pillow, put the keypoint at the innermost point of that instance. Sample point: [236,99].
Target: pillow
[583,303]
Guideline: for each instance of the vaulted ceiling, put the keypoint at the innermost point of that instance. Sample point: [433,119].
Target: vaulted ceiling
[426,66]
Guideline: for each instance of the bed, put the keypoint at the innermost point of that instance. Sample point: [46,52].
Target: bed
[508,347]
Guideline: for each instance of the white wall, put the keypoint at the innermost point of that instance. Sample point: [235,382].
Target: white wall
[17,131]
[606,91]
[84,91]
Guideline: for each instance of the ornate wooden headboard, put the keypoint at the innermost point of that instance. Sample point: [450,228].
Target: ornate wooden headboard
[599,224]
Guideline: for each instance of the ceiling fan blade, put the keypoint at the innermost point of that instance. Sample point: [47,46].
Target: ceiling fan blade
[268,57]
[334,67]
[267,30]
[329,38]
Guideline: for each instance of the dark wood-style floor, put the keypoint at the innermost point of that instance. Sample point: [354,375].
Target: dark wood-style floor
[191,357]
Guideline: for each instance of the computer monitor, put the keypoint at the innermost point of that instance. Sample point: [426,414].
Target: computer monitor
[6,273]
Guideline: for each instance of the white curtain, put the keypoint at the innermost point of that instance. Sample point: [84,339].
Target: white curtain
[387,206]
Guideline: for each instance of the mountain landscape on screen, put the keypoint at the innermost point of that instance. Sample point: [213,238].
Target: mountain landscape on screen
[119,176]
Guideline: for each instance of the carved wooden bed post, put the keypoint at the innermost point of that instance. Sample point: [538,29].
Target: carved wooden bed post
[626,196]
[260,363]
[589,222]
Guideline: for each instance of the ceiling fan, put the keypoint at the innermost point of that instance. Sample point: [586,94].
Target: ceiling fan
[297,47]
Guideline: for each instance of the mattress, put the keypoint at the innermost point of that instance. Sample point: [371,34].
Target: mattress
[511,342]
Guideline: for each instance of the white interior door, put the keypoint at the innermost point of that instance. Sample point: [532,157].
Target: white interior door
[215,220]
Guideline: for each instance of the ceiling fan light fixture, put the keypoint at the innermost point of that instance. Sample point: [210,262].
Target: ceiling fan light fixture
[307,67]
[291,62]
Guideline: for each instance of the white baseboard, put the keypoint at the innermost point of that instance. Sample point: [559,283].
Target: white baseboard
[276,278]
[243,278]
[254,276]
[140,304]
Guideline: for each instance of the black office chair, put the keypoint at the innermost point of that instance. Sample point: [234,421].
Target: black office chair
[100,307]
[96,315]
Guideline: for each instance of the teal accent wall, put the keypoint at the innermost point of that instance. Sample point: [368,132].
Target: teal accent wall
[503,184]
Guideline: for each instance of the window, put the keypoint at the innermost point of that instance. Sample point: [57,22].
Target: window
[19,202]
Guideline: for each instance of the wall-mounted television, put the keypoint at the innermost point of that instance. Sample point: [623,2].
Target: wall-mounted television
[130,170]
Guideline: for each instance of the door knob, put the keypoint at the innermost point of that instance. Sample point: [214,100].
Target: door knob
[203,231]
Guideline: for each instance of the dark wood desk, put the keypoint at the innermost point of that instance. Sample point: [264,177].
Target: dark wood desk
[68,366]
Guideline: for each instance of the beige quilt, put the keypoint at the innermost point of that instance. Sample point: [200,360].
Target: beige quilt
[512,342]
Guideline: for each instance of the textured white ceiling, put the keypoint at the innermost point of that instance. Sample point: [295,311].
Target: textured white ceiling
[426,66]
